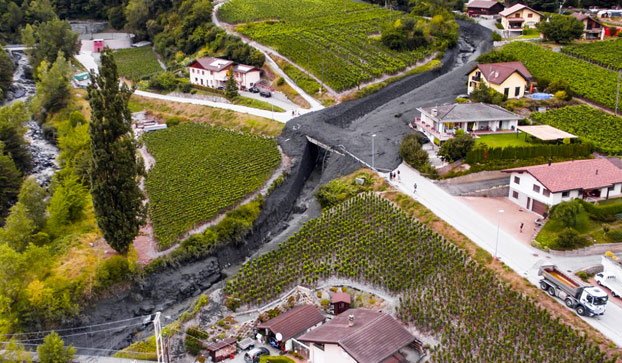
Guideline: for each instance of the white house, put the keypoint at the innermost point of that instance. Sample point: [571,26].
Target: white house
[539,187]
[441,123]
[214,72]
[519,16]
[358,335]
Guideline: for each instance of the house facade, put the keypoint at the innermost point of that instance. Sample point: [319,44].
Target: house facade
[359,336]
[592,28]
[511,79]
[214,72]
[518,17]
[484,7]
[441,123]
[537,188]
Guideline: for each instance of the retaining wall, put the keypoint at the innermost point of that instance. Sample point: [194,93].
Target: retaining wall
[492,193]
[597,249]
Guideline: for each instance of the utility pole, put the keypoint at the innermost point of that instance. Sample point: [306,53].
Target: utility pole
[618,92]
[322,84]
[498,227]
[373,152]
[157,331]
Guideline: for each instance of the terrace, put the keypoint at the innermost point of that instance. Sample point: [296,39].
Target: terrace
[417,122]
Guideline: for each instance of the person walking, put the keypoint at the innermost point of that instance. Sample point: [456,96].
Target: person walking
[521,227]
[415,187]
[398,176]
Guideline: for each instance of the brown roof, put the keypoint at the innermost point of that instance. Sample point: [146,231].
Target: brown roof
[294,322]
[497,73]
[483,4]
[211,64]
[511,10]
[576,174]
[340,297]
[583,17]
[373,337]
[221,344]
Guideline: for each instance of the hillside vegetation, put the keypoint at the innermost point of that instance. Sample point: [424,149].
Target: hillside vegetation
[473,315]
[201,170]
[334,39]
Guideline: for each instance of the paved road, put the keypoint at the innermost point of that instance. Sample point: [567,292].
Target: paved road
[523,259]
[278,99]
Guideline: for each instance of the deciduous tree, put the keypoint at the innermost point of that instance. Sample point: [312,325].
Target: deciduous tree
[561,29]
[10,180]
[33,198]
[12,134]
[53,350]
[18,229]
[456,148]
[53,88]
[114,168]
[48,39]
[6,72]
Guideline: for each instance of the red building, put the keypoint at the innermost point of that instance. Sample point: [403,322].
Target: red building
[223,349]
[340,302]
[484,7]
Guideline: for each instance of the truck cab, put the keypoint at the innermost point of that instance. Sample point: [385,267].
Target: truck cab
[594,300]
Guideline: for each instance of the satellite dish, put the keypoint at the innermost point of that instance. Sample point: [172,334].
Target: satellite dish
[279,337]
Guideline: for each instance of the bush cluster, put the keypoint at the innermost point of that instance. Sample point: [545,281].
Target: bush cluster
[485,154]
[413,153]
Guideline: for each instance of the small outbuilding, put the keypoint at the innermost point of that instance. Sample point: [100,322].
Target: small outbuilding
[340,302]
[222,350]
[484,7]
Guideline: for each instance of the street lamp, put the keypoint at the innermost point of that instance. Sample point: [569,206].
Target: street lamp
[498,224]
[373,137]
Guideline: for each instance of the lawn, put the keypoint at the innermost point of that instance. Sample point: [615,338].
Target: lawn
[200,171]
[336,38]
[136,63]
[259,104]
[502,140]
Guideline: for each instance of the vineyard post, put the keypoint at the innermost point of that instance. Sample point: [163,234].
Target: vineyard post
[618,92]
[498,224]
[373,137]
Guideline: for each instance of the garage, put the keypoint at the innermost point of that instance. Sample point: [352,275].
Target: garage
[538,207]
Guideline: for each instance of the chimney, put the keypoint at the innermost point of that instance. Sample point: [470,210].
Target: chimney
[596,171]
[434,112]
[350,320]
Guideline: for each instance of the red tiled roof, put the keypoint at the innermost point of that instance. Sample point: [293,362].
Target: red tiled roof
[294,322]
[583,17]
[221,344]
[482,4]
[372,338]
[211,64]
[340,297]
[497,73]
[576,174]
[511,10]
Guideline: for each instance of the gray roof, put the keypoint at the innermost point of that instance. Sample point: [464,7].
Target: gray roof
[466,112]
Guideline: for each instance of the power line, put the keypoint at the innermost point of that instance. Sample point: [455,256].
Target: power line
[84,333]
[85,348]
[76,328]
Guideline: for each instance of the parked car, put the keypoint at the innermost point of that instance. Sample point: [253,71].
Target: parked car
[254,89]
[265,93]
[253,355]
[220,87]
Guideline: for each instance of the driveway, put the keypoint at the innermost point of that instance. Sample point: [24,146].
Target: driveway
[278,99]
[521,257]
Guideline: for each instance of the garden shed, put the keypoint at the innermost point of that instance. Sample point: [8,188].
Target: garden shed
[223,349]
[340,302]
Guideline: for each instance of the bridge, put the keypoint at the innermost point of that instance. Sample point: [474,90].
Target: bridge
[15,48]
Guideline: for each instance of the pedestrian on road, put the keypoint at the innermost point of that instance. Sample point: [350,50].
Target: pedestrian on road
[521,227]
[398,176]
[415,187]
[293,112]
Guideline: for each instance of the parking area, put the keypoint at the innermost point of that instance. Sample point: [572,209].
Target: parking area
[511,218]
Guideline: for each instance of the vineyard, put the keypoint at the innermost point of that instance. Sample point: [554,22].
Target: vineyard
[586,80]
[474,316]
[201,170]
[608,53]
[338,36]
[136,63]
[592,125]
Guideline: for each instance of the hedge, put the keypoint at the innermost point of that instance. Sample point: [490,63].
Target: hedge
[483,154]
[602,211]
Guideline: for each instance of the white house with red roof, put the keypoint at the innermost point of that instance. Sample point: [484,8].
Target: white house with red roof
[519,16]
[539,187]
[214,72]
[511,79]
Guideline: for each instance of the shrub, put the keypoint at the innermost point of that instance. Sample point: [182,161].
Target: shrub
[192,340]
[280,81]
[113,270]
[570,239]
[164,81]
[583,275]
[412,152]
[566,212]
[615,235]
[496,37]
[325,302]
[456,148]
[173,121]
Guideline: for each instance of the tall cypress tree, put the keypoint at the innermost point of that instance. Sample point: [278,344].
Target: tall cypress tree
[114,167]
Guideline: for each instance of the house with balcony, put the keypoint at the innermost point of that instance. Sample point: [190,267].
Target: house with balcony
[592,28]
[539,187]
[214,72]
[511,79]
[440,123]
[519,16]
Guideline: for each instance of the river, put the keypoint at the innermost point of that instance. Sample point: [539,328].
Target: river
[44,153]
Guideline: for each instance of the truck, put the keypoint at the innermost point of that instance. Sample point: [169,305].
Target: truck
[586,300]
[611,277]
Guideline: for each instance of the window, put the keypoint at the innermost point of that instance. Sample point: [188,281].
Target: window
[565,194]
[611,188]
[516,180]
[515,194]
[319,346]
[517,15]
[546,192]
[517,91]
[530,15]
[506,92]
[536,188]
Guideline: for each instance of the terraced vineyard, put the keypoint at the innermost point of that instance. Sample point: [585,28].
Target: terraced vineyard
[336,35]
[201,170]
[607,53]
[136,63]
[474,316]
[592,125]
[586,80]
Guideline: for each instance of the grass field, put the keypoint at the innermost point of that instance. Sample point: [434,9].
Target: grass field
[135,63]
[502,140]
[368,239]
[338,36]
[608,53]
[201,170]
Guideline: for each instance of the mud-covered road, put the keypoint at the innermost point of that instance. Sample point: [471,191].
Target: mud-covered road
[350,124]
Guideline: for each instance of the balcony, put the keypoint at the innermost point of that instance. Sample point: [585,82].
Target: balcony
[418,124]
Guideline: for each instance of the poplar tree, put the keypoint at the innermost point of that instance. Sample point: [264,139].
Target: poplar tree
[114,170]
